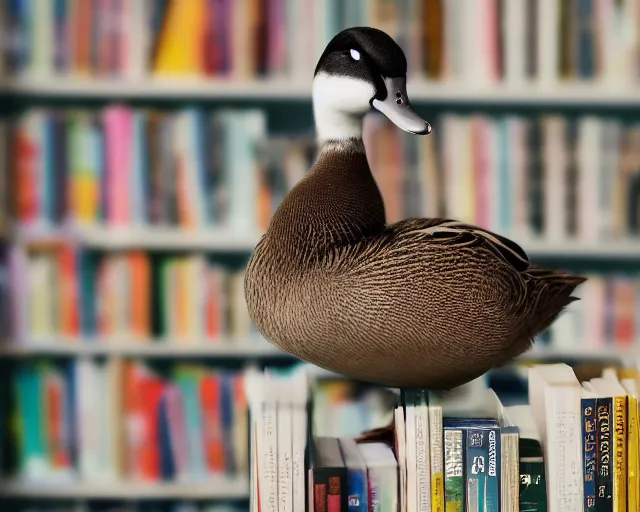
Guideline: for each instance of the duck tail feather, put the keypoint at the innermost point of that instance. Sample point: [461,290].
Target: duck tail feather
[552,293]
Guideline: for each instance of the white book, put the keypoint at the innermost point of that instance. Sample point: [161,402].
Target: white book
[547,37]
[401,440]
[514,20]
[300,386]
[554,395]
[589,164]
[423,461]
[285,442]
[41,38]
[412,477]
[382,468]
[554,165]
[88,417]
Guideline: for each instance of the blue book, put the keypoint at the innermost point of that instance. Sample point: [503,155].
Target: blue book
[586,38]
[226,418]
[70,411]
[357,483]
[46,185]
[167,464]
[505,175]
[32,449]
[482,461]
[589,454]
[187,379]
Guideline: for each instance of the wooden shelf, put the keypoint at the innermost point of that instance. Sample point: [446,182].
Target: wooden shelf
[300,90]
[216,488]
[259,348]
[151,238]
[225,240]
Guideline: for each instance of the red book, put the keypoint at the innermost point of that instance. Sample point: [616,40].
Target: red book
[212,423]
[151,392]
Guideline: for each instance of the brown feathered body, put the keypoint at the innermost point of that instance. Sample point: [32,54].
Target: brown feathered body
[430,303]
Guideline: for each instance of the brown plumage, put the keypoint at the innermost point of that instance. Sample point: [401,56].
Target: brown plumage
[421,303]
[428,303]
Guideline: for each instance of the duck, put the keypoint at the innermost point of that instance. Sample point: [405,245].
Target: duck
[430,303]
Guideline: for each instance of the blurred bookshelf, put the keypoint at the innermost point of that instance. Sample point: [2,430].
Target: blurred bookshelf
[149,209]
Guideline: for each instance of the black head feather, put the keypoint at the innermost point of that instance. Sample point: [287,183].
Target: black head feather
[381,57]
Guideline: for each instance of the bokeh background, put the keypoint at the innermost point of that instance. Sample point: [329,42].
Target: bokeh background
[144,145]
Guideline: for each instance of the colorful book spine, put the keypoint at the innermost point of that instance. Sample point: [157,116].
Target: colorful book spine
[604,481]
[620,476]
[477,461]
[436,454]
[454,486]
[533,483]
[633,456]
[589,453]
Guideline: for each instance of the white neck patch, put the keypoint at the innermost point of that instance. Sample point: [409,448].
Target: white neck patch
[339,104]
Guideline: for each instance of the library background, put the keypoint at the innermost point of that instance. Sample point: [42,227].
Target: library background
[144,145]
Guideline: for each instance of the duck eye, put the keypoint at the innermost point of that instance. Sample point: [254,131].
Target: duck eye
[355,54]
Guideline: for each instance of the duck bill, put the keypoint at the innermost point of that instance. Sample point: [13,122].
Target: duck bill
[397,108]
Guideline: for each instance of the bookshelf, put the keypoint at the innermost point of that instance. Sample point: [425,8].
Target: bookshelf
[219,489]
[421,92]
[215,240]
[242,349]
[64,81]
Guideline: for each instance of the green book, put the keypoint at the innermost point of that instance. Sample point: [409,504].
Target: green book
[454,484]
[533,485]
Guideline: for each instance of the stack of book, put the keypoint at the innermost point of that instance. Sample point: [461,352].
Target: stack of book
[485,42]
[571,447]
[124,420]
[280,425]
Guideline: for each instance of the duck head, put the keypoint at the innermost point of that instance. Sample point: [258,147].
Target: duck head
[360,68]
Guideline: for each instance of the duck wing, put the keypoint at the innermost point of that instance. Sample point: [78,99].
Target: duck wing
[454,234]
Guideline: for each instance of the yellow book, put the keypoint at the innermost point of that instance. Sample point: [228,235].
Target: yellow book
[180,48]
[437,461]
[620,454]
[633,445]
[609,386]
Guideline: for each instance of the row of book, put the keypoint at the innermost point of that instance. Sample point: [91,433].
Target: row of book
[547,176]
[571,447]
[102,422]
[485,42]
[66,293]
[607,317]
[129,167]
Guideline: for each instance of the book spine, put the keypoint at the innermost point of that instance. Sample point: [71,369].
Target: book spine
[454,471]
[492,493]
[620,454]
[477,460]
[604,495]
[533,485]
[589,453]
[437,475]
[633,457]
[330,490]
